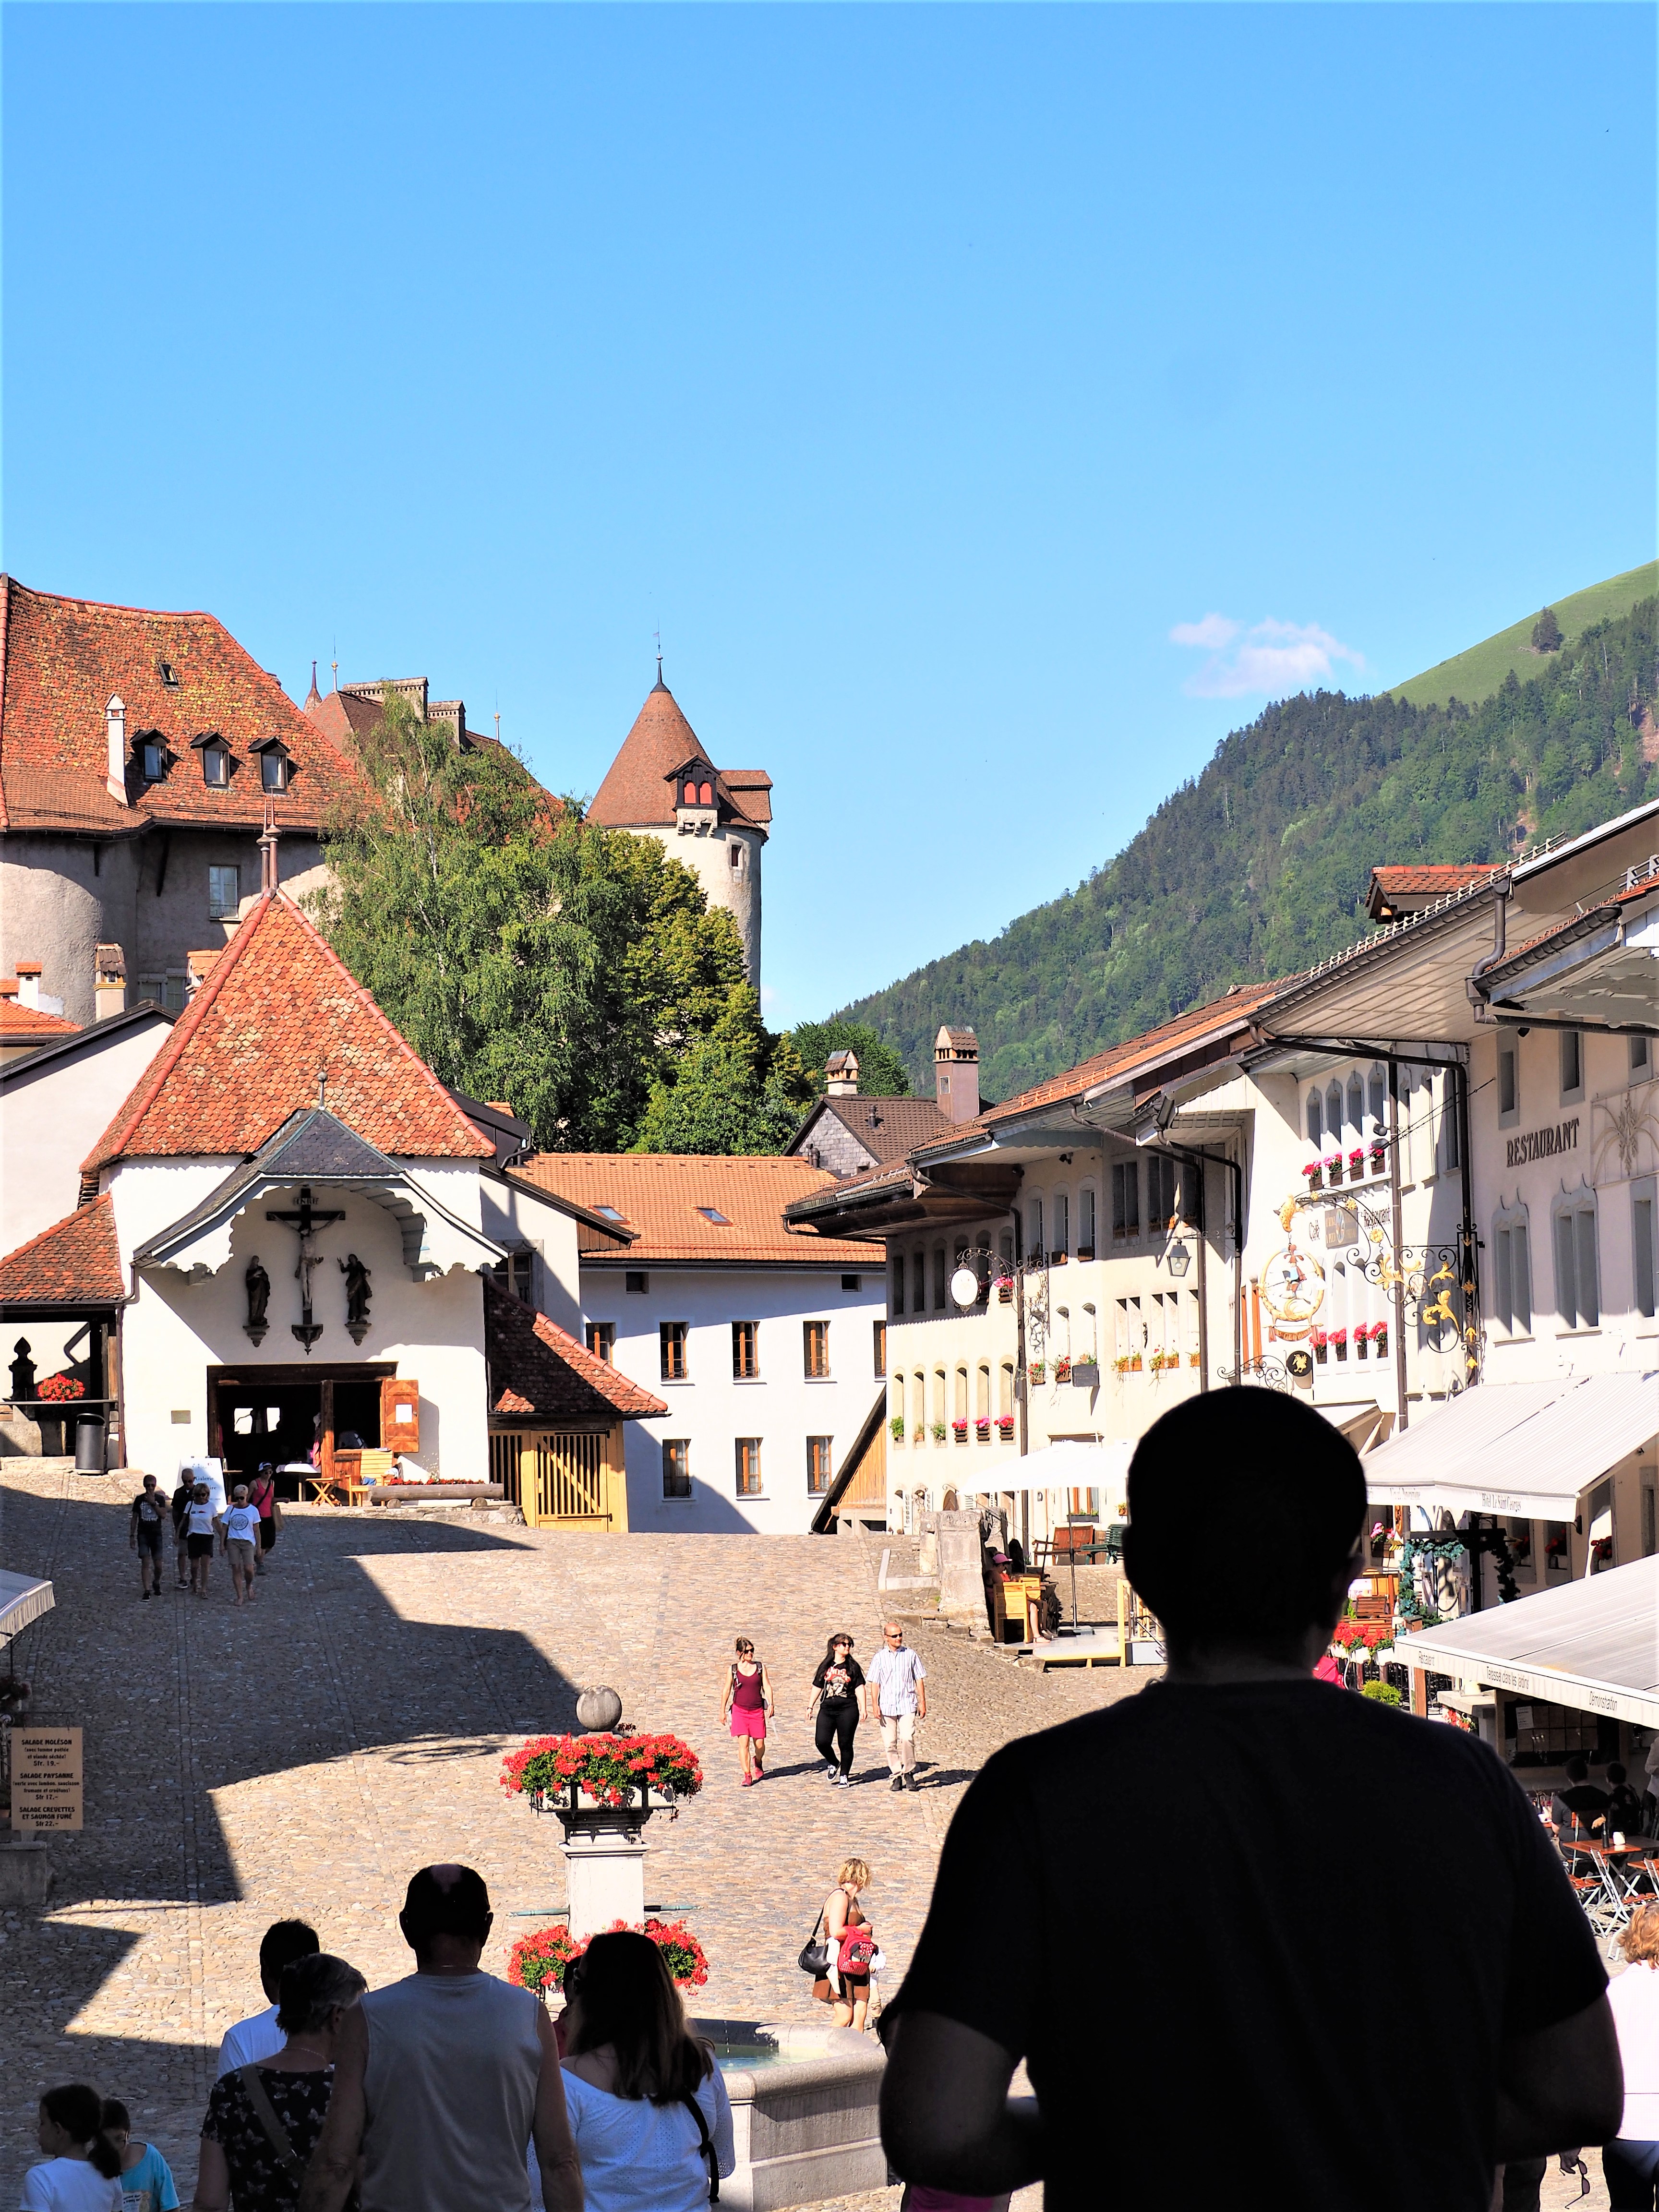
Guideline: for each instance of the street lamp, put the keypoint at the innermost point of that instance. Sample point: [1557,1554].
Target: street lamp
[1177,1259]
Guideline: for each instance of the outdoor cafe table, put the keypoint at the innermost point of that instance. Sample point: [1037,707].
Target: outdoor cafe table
[1612,1866]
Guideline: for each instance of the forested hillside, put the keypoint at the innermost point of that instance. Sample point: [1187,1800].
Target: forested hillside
[1260,867]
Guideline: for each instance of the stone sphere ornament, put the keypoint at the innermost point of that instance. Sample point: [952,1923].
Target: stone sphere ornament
[598,1710]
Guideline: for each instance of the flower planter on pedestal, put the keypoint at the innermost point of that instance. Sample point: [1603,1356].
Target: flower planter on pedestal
[604,1849]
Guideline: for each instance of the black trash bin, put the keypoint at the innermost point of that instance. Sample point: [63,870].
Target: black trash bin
[88,1443]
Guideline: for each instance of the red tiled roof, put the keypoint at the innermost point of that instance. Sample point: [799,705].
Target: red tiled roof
[61,662]
[245,1054]
[1118,1059]
[1578,924]
[536,1367]
[659,1194]
[17,1020]
[1433,881]
[78,1262]
[637,788]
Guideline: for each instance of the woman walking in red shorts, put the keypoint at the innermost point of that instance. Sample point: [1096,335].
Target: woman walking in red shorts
[749,1701]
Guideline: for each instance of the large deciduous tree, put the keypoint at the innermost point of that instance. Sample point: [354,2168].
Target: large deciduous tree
[532,956]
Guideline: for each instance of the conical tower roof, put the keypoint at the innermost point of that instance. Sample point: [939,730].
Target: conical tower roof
[638,790]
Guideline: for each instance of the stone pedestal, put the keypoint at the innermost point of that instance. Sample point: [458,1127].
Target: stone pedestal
[961,1567]
[604,1878]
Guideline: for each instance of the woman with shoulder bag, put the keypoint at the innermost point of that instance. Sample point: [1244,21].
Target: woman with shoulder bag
[648,2108]
[262,2121]
[851,1943]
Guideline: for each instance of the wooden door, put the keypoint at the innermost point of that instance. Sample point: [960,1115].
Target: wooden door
[400,1414]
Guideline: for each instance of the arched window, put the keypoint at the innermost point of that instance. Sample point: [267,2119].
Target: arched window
[1334,1113]
[1034,1229]
[960,1412]
[1085,1222]
[1316,1119]
[1356,1104]
[1005,1390]
[982,1394]
[691,794]
[1512,1267]
[1062,1232]
[898,1284]
[1379,1090]
[918,1282]
[706,795]
[941,1269]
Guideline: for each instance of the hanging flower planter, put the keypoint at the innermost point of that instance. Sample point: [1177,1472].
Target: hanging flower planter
[1005,1426]
[1005,1290]
[575,1774]
[982,1431]
[1333,1168]
[1315,1173]
[1379,1154]
[959,1430]
[896,1426]
[1321,1344]
[938,1432]
[1339,1342]
[1037,1372]
[1356,1164]
[1063,1370]
[1379,1338]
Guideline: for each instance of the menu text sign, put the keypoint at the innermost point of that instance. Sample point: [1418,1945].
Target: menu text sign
[45,1778]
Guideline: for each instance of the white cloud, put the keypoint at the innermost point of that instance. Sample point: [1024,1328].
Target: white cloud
[1270,658]
[1213,633]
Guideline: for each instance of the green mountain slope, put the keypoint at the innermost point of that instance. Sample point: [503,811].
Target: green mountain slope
[1476,674]
[1258,868]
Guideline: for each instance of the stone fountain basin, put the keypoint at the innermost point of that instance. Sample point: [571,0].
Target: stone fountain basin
[803,2115]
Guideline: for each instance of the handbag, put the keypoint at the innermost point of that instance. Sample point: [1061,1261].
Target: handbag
[858,1948]
[815,1956]
[265,2113]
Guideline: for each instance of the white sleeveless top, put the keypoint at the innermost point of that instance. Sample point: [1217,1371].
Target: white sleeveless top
[641,2157]
[453,2061]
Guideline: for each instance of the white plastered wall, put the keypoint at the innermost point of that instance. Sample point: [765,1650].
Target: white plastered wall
[712,1410]
[431,1331]
[50,1120]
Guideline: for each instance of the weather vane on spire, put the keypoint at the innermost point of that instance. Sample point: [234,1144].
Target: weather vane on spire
[657,634]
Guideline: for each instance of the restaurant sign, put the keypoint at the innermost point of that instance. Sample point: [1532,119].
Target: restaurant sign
[1544,1144]
[45,1778]
[1581,1694]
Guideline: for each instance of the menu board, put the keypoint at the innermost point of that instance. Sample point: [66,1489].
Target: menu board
[45,1778]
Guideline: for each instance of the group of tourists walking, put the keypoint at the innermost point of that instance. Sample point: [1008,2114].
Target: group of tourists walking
[244,1530]
[894,1692]
[430,2094]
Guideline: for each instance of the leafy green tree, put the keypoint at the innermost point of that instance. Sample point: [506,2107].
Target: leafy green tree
[1546,633]
[882,1072]
[525,953]
[737,1090]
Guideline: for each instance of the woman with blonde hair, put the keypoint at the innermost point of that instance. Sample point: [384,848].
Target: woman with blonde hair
[1631,2162]
[647,2104]
[852,1945]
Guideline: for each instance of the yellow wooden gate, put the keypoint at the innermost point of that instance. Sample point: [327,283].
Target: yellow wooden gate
[562,1478]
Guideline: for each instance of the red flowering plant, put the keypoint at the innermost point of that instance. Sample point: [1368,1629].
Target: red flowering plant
[1314,1167]
[541,1961]
[56,1389]
[609,1768]
[1356,1639]
[1357,1157]
[1339,1337]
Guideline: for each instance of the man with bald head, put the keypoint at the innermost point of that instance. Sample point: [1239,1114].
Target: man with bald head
[441,2080]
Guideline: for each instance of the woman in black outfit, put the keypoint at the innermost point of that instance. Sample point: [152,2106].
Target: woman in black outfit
[835,1701]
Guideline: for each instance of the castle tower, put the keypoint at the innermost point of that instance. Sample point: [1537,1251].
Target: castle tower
[663,784]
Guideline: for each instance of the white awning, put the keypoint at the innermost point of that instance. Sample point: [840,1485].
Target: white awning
[1070,1464]
[1592,1644]
[1529,1449]
[22,1599]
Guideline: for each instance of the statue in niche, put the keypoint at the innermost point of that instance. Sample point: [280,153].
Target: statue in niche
[259,1294]
[22,1371]
[357,1289]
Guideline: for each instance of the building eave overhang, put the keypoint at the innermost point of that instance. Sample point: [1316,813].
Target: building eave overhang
[1573,976]
[434,1240]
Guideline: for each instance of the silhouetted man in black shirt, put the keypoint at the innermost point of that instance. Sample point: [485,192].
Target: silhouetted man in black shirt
[1186,1988]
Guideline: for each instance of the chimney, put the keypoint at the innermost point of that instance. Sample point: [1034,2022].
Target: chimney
[269,874]
[29,973]
[841,1075]
[109,980]
[956,1073]
[115,768]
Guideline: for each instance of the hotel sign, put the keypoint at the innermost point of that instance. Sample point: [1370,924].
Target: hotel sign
[1544,1144]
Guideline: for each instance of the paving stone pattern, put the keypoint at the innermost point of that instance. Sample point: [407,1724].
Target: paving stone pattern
[305,1755]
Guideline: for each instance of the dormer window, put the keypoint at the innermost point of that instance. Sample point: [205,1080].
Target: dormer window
[168,674]
[273,766]
[152,759]
[216,759]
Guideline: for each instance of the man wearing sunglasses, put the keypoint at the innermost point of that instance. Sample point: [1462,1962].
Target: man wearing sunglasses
[895,1692]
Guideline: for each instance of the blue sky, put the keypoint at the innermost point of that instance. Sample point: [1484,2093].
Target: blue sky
[990,406]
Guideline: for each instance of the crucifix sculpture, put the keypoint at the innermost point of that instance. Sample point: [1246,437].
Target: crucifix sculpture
[306,1221]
